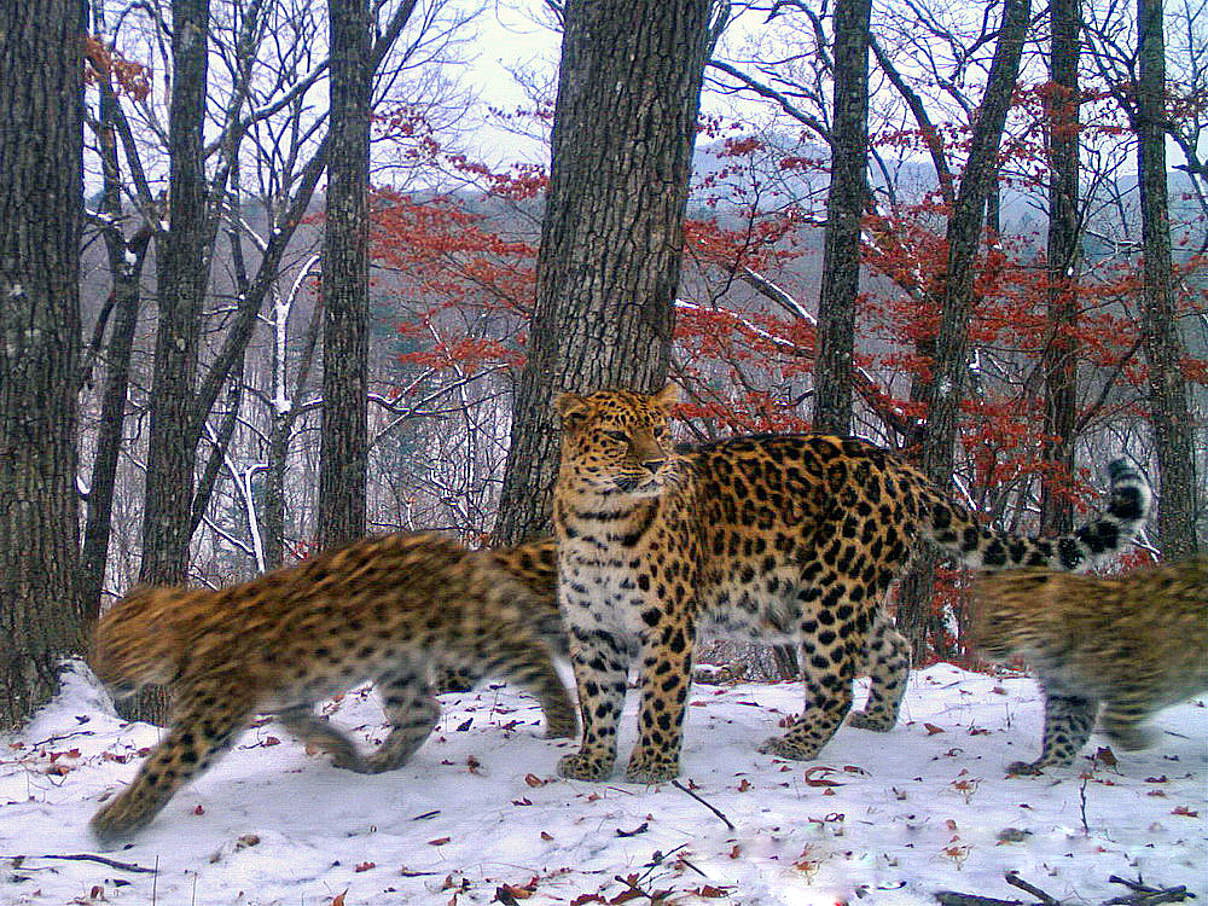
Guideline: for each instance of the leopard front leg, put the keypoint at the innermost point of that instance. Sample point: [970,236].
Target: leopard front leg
[888,668]
[1068,721]
[199,733]
[666,679]
[601,663]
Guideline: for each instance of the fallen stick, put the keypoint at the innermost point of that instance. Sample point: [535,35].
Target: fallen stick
[1016,881]
[709,806]
[112,863]
[952,898]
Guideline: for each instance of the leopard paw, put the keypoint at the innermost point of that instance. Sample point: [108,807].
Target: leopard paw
[652,768]
[558,728]
[118,821]
[578,766]
[868,720]
[1129,737]
[789,747]
[1025,768]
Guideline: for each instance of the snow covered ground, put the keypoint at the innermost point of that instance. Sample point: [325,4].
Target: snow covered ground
[479,816]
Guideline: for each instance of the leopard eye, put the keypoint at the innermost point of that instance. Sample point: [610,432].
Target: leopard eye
[617,435]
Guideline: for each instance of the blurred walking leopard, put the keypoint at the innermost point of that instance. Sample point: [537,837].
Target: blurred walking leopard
[388,609]
[781,538]
[1133,643]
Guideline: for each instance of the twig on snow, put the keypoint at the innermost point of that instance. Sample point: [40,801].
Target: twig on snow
[952,898]
[709,806]
[1144,895]
[1015,880]
[112,863]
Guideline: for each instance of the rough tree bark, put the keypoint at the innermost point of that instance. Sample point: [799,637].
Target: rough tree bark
[845,204]
[611,241]
[41,154]
[1171,420]
[344,444]
[182,272]
[950,351]
[1064,246]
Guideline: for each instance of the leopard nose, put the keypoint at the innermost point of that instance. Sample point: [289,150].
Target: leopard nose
[653,465]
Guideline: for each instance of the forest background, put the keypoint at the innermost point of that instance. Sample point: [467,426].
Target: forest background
[1023,297]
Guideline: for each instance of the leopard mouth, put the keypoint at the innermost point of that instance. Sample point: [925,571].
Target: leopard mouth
[643,485]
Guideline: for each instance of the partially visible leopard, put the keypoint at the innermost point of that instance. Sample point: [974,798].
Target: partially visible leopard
[386,609]
[1133,643]
[789,538]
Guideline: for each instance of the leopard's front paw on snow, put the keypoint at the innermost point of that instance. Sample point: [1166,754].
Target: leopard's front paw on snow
[652,769]
[578,766]
[118,821]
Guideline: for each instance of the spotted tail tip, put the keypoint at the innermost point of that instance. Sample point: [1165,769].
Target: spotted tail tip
[1131,497]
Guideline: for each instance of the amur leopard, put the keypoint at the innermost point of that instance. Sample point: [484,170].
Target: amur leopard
[1132,644]
[781,538]
[388,609]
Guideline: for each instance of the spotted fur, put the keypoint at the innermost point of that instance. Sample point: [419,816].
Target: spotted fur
[1132,644]
[787,538]
[387,609]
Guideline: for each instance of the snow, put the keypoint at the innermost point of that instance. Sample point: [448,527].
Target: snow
[923,808]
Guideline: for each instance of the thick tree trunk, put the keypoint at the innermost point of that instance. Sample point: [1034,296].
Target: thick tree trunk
[611,241]
[950,351]
[182,273]
[1172,423]
[1064,260]
[41,153]
[844,207]
[345,281]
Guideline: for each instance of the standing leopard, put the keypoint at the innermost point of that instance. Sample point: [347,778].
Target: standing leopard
[388,609]
[784,538]
[1133,643]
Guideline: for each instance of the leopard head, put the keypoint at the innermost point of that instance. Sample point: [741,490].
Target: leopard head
[136,643]
[618,442]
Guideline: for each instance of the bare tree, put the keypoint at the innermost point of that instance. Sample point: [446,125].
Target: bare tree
[41,126]
[611,241]
[345,284]
[943,393]
[1170,416]
[845,204]
[182,274]
[1064,262]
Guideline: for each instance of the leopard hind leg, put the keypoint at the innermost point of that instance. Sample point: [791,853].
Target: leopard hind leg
[1123,719]
[888,669]
[301,721]
[831,651]
[518,656]
[412,710]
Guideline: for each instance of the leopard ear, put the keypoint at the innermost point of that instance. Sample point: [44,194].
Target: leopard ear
[667,397]
[572,407]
